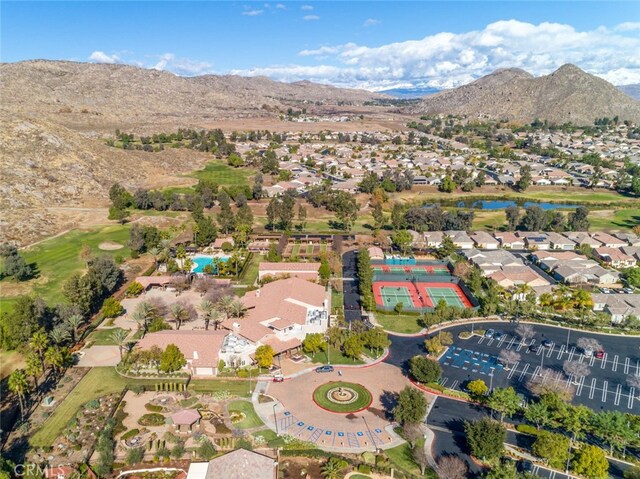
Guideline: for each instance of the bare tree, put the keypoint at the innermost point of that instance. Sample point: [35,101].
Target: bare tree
[452,467]
[550,381]
[525,331]
[589,343]
[420,458]
[634,382]
[509,358]
[203,285]
[576,369]
[411,432]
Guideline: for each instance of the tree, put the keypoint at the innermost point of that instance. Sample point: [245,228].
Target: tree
[402,240]
[39,343]
[539,414]
[503,470]
[477,388]
[19,386]
[446,248]
[325,270]
[205,231]
[614,428]
[352,346]
[333,468]
[452,467]
[447,185]
[632,473]
[513,217]
[485,438]
[550,381]
[525,331]
[525,178]
[314,342]
[226,218]
[420,458]
[135,455]
[578,220]
[577,420]
[505,401]
[302,216]
[378,216]
[172,359]
[632,276]
[398,308]
[119,337]
[14,264]
[411,406]
[424,370]
[206,450]
[589,343]
[591,462]
[111,308]
[576,369]
[73,323]
[34,367]
[264,356]
[118,214]
[508,358]
[210,313]
[552,447]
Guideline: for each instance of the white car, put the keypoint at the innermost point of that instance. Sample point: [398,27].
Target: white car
[588,352]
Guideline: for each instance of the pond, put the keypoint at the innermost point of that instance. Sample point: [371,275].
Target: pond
[492,205]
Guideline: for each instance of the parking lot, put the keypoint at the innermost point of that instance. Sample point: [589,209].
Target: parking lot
[604,388]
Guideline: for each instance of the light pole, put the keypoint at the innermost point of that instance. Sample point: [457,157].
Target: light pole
[491,381]
[275,418]
[568,334]
[328,355]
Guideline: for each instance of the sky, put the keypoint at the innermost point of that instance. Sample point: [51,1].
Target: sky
[374,45]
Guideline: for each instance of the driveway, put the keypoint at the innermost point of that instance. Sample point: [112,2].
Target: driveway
[350,287]
[97,356]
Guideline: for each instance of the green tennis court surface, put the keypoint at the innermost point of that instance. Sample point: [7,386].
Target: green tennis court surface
[446,294]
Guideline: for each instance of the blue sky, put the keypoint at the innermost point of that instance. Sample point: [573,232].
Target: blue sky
[373,45]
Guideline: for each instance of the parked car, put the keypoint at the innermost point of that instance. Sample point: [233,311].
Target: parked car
[498,336]
[489,333]
[588,352]
[327,368]
[547,343]
[534,348]
[600,354]
[278,378]
[525,466]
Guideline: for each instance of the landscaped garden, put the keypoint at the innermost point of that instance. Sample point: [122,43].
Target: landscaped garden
[342,397]
[243,416]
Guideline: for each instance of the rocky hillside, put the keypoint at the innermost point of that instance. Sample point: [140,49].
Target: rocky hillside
[631,90]
[568,94]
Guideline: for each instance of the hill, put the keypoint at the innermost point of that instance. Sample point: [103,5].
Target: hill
[631,90]
[567,95]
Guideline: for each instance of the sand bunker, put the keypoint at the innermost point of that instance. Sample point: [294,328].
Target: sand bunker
[110,246]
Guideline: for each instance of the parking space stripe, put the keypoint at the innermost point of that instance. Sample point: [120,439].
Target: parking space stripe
[513,370]
[615,363]
[592,360]
[481,340]
[561,351]
[524,371]
[502,339]
[616,400]
[632,395]
[550,351]
[627,363]
[571,353]
[580,385]
[593,388]
[605,389]
[454,384]
[536,371]
[520,345]
[604,361]
[443,381]
[510,345]
[638,368]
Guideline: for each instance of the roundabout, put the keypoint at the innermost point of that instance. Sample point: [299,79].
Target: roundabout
[342,397]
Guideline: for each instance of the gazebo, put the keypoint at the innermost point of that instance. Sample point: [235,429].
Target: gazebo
[185,419]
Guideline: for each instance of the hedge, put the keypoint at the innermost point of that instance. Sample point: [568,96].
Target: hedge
[129,434]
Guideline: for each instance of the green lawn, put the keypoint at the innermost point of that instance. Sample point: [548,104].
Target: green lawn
[270,437]
[618,219]
[234,388]
[249,275]
[102,337]
[398,323]
[250,420]
[97,382]
[362,401]
[337,301]
[402,458]
[58,258]
[223,174]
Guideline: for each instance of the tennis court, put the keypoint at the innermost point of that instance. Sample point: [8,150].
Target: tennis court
[392,295]
[449,295]
[417,295]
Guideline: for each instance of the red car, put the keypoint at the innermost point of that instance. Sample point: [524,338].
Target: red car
[600,354]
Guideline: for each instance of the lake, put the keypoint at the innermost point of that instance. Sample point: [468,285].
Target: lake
[491,205]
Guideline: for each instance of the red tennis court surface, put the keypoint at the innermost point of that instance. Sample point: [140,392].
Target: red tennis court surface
[419,294]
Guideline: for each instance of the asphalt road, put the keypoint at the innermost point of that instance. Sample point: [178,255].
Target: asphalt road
[605,388]
[446,419]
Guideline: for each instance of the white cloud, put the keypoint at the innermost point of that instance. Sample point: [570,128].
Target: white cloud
[182,66]
[311,17]
[306,7]
[371,22]
[252,12]
[627,26]
[446,60]
[102,57]
[280,6]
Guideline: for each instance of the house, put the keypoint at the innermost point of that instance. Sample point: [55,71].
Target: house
[561,242]
[200,348]
[460,239]
[516,276]
[308,271]
[582,238]
[614,257]
[217,244]
[631,238]
[484,240]
[535,241]
[618,306]
[280,314]
[509,240]
[608,240]
[585,272]
[238,464]
[548,260]
[433,239]
[491,261]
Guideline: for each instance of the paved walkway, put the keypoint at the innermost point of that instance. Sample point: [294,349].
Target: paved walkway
[97,356]
[295,413]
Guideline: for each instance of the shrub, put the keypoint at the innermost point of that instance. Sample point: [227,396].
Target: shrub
[152,419]
[153,407]
[527,429]
[134,289]
[129,434]
[424,370]
[93,404]
[111,308]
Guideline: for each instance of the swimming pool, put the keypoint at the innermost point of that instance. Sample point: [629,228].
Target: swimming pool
[200,261]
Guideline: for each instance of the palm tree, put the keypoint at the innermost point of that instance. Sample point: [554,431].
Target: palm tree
[140,318]
[155,251]
[209,313]
[39,343]
[73,323]
[225,303]
[236,309]
[34,368]
[19,385]
[59,334]
[57,358]
[119,336]
[333,468]
[177,313]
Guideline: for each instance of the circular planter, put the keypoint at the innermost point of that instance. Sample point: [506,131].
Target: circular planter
[342,397]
